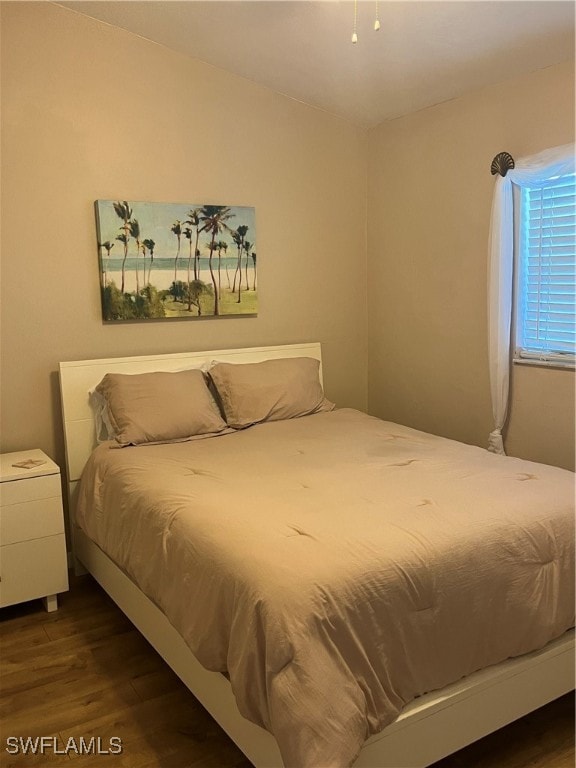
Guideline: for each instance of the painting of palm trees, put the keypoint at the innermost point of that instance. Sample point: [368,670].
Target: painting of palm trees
[176,260]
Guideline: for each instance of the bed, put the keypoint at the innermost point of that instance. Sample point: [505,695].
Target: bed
[487,691]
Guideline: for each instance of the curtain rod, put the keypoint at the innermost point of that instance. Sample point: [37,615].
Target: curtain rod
[502,163]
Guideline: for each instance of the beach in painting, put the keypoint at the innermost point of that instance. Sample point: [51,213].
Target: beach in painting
[162,272]
[160,260]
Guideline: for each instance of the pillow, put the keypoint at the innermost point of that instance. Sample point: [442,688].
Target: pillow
[160,407]
[269,391]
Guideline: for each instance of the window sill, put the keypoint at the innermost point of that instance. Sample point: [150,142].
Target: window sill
[567,366]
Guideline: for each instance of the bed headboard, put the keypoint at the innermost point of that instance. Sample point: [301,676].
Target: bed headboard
[78,377]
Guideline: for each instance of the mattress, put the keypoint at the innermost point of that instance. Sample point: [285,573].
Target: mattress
[337,566]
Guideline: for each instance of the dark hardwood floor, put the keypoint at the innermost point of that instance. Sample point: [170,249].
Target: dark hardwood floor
[85,671]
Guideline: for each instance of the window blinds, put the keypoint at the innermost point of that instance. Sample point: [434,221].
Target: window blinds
[546,318]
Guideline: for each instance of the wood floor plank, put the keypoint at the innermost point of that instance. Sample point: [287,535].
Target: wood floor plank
[57,692]
[95,642]
[132,723]
[42,718]
[128,656]
[85,671]
[26,636]
[108,620]
[156,683]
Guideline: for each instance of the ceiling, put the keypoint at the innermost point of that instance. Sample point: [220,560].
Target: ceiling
[426,51]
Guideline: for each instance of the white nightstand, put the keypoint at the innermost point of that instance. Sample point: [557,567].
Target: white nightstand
[33,560]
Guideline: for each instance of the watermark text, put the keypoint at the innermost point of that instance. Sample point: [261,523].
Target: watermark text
[42,745]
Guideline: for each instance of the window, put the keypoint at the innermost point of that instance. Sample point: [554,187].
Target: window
[546,273]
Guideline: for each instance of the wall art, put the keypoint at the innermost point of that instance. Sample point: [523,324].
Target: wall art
[176,260]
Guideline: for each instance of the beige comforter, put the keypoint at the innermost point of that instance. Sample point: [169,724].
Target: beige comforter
[337,566]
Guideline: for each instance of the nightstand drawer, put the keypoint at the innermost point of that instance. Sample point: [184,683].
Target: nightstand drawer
[32,569]
[31,520]
[29,489]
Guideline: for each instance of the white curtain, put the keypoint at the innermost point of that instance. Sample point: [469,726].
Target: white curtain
[529,172]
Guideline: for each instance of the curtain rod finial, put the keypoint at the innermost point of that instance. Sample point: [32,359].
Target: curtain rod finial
[502,163]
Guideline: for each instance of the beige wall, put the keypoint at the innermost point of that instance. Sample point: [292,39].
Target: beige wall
[429,199]
[92,112]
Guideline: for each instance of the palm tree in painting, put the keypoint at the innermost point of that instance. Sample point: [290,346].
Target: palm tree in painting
[188,236]
[148,245]
[239,240]
[134,228]
[194,221]
[144,252]
[254,263]
[176,228]
[223,246]
[214,218]
[242,230]
[124,240]
[124,212]
[211,248]
[108,247]
[247,248]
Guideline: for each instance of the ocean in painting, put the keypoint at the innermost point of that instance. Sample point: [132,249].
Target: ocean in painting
[162,271]
[165,260]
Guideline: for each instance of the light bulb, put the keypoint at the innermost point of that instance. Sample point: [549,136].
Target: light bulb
[376,25]
[354,37]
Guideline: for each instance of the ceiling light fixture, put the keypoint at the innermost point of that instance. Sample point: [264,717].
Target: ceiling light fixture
[355,27]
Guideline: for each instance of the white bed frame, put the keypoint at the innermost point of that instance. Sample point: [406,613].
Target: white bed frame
[428,729]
